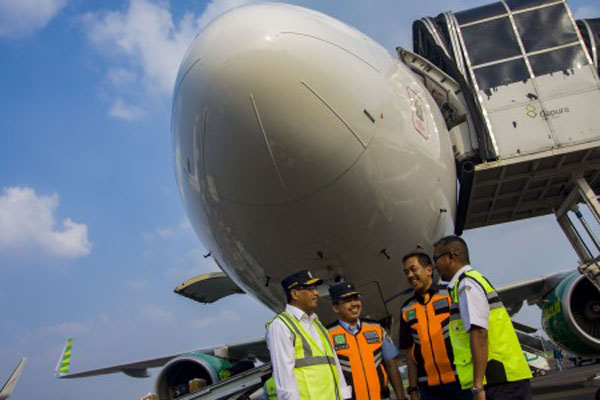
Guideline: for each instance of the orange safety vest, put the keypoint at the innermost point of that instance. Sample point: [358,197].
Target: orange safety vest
[431,350]
[361,357]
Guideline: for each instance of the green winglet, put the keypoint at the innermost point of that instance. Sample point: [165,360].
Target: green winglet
[64,363]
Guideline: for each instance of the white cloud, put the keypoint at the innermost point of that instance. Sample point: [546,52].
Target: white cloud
[216,320]
[76,328]
[126,112]
[183,228]
[156,314]
[587,12]
[23,17]
[145,41]
[120,77]
[146,36]
[215,8]
[27,223]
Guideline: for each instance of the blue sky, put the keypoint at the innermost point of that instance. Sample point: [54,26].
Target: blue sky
[93,237]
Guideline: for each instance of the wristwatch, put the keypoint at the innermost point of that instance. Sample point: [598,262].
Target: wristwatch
[476,390]
[411,389]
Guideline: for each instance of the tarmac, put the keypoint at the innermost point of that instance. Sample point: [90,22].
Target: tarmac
[572,384]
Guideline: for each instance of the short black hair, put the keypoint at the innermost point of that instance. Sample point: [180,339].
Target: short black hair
[423,258]
[458,244]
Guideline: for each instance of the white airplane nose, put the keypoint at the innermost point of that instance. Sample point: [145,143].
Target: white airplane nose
[279,102]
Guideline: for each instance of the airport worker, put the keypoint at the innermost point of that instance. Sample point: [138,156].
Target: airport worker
[558,356]
[305,366]
[366,355]
[424,334]
[487,354]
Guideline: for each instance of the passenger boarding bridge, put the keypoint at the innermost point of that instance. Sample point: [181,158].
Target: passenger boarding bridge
[517,82]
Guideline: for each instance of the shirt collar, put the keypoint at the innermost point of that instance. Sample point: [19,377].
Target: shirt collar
[458,273]
[349,328]
[299,314]
[432,290]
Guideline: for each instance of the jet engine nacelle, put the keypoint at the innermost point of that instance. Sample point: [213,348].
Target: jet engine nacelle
[571,315]
[178,375]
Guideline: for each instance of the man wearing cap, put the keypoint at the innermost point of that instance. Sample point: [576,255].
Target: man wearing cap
[304,363]
[424,335]
[366,354]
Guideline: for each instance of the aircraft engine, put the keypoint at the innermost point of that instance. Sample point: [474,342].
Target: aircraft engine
[571,315]
[188,373]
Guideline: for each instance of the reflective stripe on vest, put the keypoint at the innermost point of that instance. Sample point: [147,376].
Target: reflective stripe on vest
[315,369]
[506,362]
[361,359]
[431,350]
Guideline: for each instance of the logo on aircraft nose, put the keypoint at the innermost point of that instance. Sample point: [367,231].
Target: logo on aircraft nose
[418,113]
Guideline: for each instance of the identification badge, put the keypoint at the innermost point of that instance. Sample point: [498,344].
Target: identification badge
[441,304]
[411,315]
[372,337]
[339,342]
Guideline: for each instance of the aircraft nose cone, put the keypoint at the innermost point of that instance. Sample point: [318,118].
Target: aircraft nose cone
[276,102]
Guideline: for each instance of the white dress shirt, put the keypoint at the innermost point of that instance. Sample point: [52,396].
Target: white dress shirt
[472,301]
[280,341]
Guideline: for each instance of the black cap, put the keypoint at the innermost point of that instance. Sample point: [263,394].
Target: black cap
[300,278]
[342,290]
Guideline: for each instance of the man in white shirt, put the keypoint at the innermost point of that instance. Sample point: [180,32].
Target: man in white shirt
[305,366]
[483,338]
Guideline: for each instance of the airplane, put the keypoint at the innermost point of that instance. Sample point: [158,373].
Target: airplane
[299,142]
[12,380]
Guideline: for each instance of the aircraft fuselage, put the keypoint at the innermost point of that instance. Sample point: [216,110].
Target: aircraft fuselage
[301,143]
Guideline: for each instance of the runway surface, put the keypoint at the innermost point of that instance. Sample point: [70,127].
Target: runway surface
[572,384]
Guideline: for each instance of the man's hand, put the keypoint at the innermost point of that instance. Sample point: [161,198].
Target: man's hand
[479,396]
[414,396]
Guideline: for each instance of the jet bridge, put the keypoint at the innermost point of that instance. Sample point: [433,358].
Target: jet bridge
[517,81]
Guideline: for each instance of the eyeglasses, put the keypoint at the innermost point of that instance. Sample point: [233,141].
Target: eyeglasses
[436,258]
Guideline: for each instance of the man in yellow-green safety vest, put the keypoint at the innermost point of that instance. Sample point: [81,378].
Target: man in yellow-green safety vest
[305,366]
[487,353]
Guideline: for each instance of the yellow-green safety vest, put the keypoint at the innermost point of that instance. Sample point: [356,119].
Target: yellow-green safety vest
[506,362]
[270,389]
[315,369]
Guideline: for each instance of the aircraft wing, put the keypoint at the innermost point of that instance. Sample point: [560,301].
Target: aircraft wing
[532,291]
[10,384]
[252,349]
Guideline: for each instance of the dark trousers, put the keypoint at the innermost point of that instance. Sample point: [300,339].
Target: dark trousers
[444,392]
[519,390]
